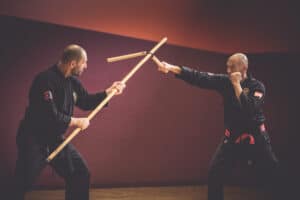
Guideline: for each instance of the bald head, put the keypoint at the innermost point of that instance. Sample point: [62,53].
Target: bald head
[73,61]
[239,58]
[237,62]
[72,52]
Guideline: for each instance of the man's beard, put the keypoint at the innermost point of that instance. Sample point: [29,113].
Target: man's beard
[76,72]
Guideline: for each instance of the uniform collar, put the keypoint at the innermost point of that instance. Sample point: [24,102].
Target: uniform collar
[246,81]
[58,72]
[249,77]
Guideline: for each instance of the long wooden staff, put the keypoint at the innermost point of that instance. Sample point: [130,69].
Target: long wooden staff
[103,103]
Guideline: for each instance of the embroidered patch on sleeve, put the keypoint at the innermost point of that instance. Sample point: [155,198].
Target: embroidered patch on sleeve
[258,94]
[48,95]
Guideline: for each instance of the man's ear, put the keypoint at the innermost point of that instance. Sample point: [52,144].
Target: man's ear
[72,64]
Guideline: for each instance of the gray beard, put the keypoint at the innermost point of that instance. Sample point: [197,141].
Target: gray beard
[75,73]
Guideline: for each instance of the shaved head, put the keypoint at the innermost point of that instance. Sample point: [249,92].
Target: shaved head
[241,58]
[72,52]
[237,62]
[73,60]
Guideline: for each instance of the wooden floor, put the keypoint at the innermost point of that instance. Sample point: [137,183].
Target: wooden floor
[154,193]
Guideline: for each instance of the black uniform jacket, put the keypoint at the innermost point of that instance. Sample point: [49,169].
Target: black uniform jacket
[52,98]
[241,116]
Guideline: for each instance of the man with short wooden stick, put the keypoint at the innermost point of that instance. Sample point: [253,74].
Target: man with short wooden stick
[52,98]
[246,137]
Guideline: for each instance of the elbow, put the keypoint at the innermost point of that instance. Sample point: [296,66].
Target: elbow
[87,108]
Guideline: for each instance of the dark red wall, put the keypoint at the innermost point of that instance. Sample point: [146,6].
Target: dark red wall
[161,130]
[214,25]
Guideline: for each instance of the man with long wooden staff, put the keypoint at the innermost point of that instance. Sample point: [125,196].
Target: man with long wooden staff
[52,97]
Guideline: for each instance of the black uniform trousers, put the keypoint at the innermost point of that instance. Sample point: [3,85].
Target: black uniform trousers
[68,164]
[263,160]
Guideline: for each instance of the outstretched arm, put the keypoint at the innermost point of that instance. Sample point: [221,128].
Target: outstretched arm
[201,79]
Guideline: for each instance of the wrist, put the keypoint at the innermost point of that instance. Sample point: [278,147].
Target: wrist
[108,91]
[74,122]
[236,84]
[175,69]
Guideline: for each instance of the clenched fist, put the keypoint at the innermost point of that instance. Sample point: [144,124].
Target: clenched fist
[118,86]
[235,77]
[81,123]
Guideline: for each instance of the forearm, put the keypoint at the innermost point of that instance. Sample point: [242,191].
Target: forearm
[200,79]
[175,69]
[50,110]
[90,101]
[73,122]
[237,90]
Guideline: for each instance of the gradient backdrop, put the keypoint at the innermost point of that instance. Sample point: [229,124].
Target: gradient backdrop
[161,131]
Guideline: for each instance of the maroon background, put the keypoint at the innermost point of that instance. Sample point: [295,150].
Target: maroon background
[161,131]
[216,25]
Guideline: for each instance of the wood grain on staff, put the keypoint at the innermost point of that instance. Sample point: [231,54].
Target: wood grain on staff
[127,56]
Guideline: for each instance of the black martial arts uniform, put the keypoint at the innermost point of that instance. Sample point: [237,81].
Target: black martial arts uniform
[51,102]
[245,133]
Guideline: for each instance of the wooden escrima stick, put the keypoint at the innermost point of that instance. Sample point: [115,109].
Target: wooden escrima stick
[125,57]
